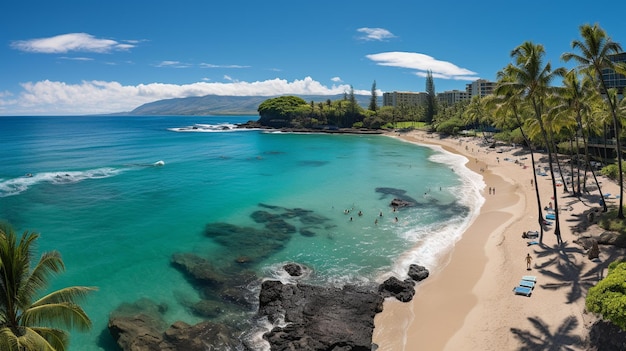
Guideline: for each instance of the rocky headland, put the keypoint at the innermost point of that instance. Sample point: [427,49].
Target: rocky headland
[305,317]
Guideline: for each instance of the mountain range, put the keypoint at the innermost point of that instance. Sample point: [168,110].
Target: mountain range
[223,105]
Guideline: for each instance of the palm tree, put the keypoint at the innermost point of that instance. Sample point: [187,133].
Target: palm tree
[575,99]
[595,49]
[27,323]
[533,78]
[508,99]
[475,114]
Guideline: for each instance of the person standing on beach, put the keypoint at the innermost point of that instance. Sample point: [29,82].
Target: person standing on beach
[528,261]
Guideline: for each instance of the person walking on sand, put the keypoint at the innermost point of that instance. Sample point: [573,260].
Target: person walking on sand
[528,261]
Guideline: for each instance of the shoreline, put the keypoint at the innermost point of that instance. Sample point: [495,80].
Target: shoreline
[467,302]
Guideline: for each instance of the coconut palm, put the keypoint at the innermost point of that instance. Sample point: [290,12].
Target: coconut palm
[28,323]
[595,48]
[475,114]
[508,101]
[533,78]
[575,99]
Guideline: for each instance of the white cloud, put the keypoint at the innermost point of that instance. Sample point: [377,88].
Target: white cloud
[173,64]
[336,79]
[379,34]
[70,42]
[422,64]
[76,58]
[210,65]
[228,78]
[93,97]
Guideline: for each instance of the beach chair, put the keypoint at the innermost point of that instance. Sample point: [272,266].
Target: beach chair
[527,284]
[522,290]
[532,243]
[530,278]
[532,233]
[550,216]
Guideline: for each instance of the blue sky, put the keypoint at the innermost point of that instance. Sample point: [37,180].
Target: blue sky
[86,57]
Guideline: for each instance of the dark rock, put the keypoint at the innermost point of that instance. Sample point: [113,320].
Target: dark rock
[320,318]
[263,216]
[307,232]
[208,308]
[417,272]
[141,327]
[594,251]
[606,336]
[137,327]
[198,268]
[200,337]
[401,290]
[294,269]
[398,203]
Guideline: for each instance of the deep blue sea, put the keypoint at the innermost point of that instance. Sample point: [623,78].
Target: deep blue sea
[124,198]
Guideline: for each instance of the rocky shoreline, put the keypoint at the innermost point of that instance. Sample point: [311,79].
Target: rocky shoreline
[305,317]
[323,129]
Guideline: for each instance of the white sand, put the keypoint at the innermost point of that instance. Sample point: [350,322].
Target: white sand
[469,303]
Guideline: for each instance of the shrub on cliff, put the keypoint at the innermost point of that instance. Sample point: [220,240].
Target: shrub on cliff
[608,297]
[279,111]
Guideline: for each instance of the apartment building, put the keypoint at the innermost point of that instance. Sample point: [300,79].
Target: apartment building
[451,97]
[480,87]
[404,98]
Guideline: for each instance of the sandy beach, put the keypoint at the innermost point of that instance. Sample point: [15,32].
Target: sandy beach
[468,303]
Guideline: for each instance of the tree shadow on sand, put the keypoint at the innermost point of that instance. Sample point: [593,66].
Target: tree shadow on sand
[562,267]
[543,339]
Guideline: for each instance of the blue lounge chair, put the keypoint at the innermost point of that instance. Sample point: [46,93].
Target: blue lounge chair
[527,284]
[522,290]
[530,278]
[532,243]
[550,216]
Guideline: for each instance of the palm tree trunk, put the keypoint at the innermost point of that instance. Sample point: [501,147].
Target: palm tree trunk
[532,161]
[593,172]
[558,165]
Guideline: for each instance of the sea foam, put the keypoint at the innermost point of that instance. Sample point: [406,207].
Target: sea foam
[15,186]
[428,248]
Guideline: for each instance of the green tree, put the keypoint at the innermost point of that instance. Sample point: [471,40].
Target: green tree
[280,110]
[374,99]
[28,323]
[608,297]
[476,114]
[532,78]
[431,99]
[595,48]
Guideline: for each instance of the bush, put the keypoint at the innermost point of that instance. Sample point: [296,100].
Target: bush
[610,222]
[451,126]
[608,297]
[612,171]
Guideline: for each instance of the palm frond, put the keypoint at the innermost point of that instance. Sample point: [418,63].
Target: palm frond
[63,315]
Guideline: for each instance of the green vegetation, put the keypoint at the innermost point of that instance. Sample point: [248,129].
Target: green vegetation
[28,323]
[608,297]
[610,222]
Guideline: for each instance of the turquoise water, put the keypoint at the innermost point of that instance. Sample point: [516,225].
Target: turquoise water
[92,187]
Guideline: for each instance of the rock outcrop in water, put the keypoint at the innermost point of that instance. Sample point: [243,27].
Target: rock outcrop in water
[306,317]
[319,318]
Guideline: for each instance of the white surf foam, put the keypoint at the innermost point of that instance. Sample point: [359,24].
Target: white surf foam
[15,186]
[210,128]
[429,248]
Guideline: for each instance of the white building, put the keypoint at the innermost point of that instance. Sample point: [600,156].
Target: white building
[404,98]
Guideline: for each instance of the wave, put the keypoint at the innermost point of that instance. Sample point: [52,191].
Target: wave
[15,186]
[210,128]
[431,242]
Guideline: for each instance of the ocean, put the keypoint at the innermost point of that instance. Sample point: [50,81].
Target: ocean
[128,200]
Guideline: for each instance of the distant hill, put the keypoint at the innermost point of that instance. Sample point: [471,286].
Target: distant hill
[223,105]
